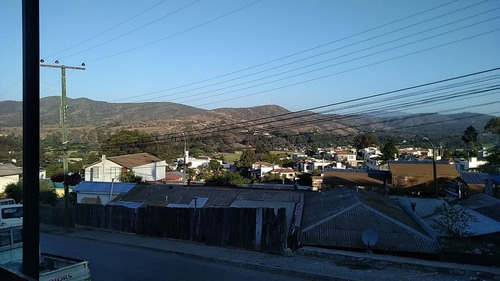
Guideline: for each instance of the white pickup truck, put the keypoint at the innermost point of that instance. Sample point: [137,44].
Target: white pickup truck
[52,267]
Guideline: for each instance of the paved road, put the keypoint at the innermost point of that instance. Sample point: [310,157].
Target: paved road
[118,262]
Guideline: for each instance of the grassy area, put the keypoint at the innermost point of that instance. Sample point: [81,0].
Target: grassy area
[232,157]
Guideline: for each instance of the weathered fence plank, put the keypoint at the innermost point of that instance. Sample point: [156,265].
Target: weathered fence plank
[249,228]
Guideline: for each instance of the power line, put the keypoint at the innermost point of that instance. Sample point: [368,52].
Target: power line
[106,30]
[336,64]
[304,51]
[178,33]
[345,71]
[134,30]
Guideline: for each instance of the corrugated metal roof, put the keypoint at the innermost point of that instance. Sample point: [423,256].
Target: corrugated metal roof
[132,205]
[160,194]
[425,209]
[345,231]
[105,187]
[319,206]
[484,204]
[478,178]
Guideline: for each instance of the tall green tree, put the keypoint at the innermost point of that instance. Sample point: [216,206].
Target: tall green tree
[493,126]
[470,137]
[365,140]
[272,158]
[247,158]
[389,151]
[129,142]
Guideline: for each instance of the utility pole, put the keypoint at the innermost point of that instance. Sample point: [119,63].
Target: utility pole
[186,156]
[436,187]
[64,125]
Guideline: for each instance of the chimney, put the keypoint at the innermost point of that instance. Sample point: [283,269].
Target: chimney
[103,167]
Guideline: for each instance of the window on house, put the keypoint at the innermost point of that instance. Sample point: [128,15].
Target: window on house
[95,170]
[115,172]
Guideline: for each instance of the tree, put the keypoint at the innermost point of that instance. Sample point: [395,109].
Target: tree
[272,158]
[129,142]
[226,179]
[470,137]
[130,176]
[247,158]
[48,194]
[453,221]
[365,140]
[493,126]
[389,151]
[214,165]
[14,190]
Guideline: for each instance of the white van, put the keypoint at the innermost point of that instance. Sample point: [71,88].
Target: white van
[11,215]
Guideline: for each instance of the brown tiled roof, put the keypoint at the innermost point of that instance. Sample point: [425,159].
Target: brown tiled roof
[133,160]
[263,164]
[283,170]
[411,174]
[355,177]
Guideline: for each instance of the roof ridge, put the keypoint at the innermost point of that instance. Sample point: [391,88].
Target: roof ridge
[398,222]
[329,218]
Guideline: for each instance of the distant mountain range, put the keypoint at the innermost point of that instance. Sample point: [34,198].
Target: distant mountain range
[165,117]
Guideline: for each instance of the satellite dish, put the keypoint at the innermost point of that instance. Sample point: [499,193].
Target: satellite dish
[369,237]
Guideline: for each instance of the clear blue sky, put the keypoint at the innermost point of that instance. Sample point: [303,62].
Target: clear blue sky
[142,50]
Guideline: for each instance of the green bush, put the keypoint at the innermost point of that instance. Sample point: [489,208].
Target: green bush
[226,179]
[48,194]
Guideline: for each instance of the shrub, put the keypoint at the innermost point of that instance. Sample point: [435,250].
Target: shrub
[57,177]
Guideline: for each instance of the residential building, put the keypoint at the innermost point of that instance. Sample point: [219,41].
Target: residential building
[284,173]
[347,157]
[261,169]
[174,177]
[374,162]
[470,164]
[147,166]
[9,173]
[309,165]
[194,163]
[413,154]
[480,182]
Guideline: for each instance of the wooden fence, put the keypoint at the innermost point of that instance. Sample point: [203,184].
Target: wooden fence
[249,228]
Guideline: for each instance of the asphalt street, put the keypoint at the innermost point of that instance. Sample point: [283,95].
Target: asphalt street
[120,262]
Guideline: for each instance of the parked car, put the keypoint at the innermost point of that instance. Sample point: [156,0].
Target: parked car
[11,215]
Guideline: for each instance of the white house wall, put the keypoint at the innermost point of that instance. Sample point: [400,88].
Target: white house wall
[152,171]
[105,176]
[5,180]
